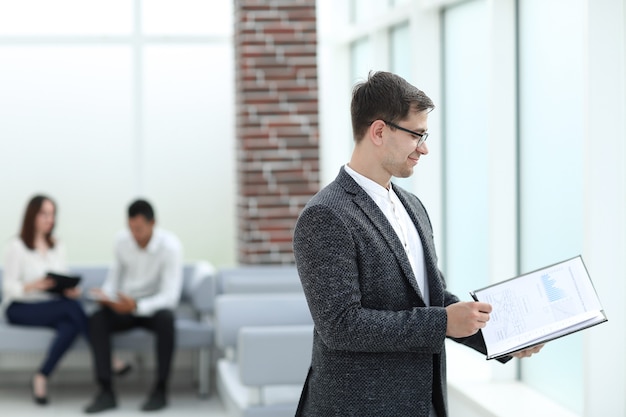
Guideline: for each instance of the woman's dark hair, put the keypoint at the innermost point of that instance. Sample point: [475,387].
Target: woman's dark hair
[28,225]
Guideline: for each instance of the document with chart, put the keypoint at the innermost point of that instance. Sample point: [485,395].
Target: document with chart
[539,306]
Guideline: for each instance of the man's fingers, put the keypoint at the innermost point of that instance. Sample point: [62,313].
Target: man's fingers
[526,353]
[483,307]
[483,318]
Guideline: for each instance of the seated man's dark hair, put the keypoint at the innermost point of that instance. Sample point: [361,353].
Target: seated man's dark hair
[141,208]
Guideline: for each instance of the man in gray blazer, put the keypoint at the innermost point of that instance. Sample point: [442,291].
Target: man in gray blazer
[365,254]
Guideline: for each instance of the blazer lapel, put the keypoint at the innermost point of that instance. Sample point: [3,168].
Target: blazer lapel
[378,219]
[421,222]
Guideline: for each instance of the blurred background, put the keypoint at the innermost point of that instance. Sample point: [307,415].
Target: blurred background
[102,102]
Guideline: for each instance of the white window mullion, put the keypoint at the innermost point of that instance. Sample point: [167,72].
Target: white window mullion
[137,91]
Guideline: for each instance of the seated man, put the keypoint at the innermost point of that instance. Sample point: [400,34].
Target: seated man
[142,290]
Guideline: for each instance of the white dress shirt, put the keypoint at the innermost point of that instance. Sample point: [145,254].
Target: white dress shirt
[153,275]
[23,265]
[394,211]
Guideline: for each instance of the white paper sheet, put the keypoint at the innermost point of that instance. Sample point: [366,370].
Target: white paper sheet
[539,306]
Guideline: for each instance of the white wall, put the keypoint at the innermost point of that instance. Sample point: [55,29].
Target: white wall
[99,109]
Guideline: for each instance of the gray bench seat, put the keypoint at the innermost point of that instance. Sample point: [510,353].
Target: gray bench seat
[194,320]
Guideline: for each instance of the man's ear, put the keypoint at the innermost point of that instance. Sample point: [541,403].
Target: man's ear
[375,132]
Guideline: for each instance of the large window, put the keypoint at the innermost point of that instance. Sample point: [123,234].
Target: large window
[360,60]
[551,170]
[466,146]
[107,100]
[364,10]
[399,51]
[530,113]
[400,63]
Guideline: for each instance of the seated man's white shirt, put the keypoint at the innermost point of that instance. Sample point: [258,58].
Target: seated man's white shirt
[153,275]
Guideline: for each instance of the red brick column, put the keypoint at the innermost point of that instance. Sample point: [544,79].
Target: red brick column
[277,123]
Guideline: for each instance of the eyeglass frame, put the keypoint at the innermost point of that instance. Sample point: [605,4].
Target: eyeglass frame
[422,136]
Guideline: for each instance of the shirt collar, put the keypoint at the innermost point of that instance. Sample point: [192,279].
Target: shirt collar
[371,187]
[153,244]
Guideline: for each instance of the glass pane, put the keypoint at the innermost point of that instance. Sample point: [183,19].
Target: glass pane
[400,51]
[400,59]
[189,127]
[360,60]
[66,130]
[188,17]
[66,17]
[552,165]
[466,152]
[364,10]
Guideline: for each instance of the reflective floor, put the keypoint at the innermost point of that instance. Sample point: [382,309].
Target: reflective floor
[69,396]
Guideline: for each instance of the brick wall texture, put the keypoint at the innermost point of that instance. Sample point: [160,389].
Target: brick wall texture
[277,124]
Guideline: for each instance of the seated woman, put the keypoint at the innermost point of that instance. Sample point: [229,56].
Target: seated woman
[29,257]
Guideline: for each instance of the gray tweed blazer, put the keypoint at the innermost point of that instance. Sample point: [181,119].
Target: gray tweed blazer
[377,350]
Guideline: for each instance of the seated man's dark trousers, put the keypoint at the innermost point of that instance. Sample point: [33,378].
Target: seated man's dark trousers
[105,322]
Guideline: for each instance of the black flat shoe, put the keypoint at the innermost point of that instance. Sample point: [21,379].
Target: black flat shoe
[105,400]
[38,400]
[156,401]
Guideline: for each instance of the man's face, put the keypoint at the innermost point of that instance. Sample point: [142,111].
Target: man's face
[141,229]
[401,151]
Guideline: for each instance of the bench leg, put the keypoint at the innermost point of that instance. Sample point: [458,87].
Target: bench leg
[204,369]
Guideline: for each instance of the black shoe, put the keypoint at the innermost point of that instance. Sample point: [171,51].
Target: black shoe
[156,401]
[105,400]
[38,400]
[124,370]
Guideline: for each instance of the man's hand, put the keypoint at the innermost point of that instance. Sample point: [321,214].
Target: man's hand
[466,318]
[122,305]
[527,353]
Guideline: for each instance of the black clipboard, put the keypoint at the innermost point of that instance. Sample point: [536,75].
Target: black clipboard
[564,291]
[62,282]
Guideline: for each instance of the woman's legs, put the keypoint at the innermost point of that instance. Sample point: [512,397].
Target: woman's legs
[65,315]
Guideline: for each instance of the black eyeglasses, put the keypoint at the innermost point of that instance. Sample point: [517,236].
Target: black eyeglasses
[422,136]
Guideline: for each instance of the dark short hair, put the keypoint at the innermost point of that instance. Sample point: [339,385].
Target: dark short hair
[384,96]
[27,234]
[141,208]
